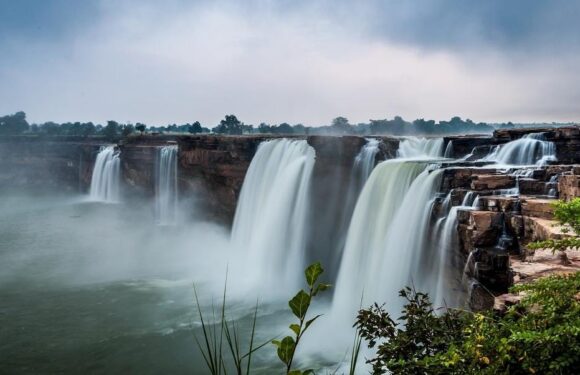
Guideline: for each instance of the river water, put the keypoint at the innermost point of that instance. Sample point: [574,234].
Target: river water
[100,288]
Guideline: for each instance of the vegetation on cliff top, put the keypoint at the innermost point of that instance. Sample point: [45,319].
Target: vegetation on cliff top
[16,124]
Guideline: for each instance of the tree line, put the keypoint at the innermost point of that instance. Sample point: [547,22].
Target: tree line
[16,124]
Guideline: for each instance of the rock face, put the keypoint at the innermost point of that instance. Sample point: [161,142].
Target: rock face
[514,208]
[57,163]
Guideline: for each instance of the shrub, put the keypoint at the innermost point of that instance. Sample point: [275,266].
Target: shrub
[539,335]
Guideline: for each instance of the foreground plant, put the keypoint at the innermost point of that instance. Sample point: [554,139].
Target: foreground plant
[220,336]
[567,214]
[539,335]
[299,305]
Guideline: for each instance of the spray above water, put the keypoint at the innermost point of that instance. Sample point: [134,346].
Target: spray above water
[270,225]
[105,182]
[166,185]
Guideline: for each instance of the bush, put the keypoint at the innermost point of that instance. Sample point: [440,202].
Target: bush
[539,335]
[567,213]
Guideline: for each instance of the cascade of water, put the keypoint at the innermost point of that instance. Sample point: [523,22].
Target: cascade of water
[166,185]
[448,280]
[531,149]
[381,249]
[449,150]
[363,165]
[270,224]
[420,148]
[105,180]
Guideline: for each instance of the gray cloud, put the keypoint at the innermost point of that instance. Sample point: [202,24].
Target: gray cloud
[296,61]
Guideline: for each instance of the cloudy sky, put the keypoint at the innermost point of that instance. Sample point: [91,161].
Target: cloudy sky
[297,61]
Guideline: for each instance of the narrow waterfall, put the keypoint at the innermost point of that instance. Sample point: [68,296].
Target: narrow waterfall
[531,149]
[364,163]
[448,279]
[420,148]
[270,225]
[166,185]
[386,234]
[105,182]
[449,150]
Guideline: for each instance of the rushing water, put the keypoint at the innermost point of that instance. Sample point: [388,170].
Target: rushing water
[531,149]
[270,226]
[96,293]
[166,185]
[105,182]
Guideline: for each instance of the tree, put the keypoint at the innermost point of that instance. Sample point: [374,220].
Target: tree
[340,125]
[140,127]
[127,129]
[13,124]
[230,125]
[111,131]
[195,128]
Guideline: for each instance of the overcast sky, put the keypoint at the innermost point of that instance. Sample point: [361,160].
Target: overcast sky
[296,61]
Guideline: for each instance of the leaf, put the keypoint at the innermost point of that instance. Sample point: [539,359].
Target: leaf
[295,328]
[312,273]
[276,342]
[309,372]
[308,323]
[320,288]
[295,372]
[286,349]
[299,304]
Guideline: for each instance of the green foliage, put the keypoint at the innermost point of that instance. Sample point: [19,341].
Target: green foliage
[13,124]
[567,213]
[539,335]
[299,304]
[140,127]
[230,125]
[221,333]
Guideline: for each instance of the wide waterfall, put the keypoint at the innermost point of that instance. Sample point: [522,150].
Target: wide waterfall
[387,231]
[270,225]
[105,182]
[531,149]
[420,147]
[166,185]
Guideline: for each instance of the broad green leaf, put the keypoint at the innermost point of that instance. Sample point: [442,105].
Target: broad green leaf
[286,349]
[296,372]
[299,304]
[320,288]
[276,342]
[312,272]
[309,372]
[295,328]
[308,323]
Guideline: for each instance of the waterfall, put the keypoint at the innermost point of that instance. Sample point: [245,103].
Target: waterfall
[531,149]
[413,147]
[270,224]
[448,280]
[449,150]
[105,182]
[363,165]
[166,185]
[386,235]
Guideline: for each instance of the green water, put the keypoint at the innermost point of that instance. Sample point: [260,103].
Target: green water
[96,288]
